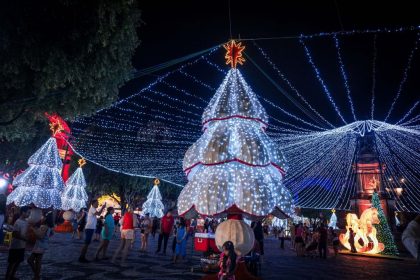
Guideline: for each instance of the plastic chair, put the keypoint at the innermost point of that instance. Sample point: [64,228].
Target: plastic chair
[7,238]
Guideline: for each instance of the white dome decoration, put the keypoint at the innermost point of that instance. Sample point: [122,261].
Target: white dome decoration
[239,233]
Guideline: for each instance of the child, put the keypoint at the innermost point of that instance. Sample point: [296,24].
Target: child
[98,230]
[18,243]
[42,237]
[181,240]
[351,241]
[227,262]
[107,233]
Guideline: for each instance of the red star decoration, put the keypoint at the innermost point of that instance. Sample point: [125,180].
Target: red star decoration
[234,53]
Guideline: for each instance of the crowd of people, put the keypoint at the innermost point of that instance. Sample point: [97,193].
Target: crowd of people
[103,225]
[95,224]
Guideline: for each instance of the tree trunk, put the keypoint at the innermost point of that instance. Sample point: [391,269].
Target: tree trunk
[123,201]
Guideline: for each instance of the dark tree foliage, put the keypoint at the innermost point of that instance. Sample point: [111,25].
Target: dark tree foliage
[64,56]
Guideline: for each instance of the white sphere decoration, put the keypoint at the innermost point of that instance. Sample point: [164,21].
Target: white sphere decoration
[68,215]
[239,233]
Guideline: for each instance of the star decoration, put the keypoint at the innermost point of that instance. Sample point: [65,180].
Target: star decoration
[56,127]
[234,53]
[81,162]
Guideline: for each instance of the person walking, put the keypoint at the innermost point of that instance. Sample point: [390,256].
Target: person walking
[335,241]
[166,225]
[181,240]
[351,241]
[128,223]
[281,237]
[155,226]
[98,230]
[81,223]
[323,241]
[117,218]
[411,238]
[18,243]
[41,244]
[259,236]
[146,227]
[106,234]
[90,227]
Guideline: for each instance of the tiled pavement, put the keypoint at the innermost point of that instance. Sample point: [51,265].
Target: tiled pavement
[60,262]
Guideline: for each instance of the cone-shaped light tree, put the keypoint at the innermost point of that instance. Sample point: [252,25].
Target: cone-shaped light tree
[74,196]
[234,162]
[384,233]
[153,205]
[41,183]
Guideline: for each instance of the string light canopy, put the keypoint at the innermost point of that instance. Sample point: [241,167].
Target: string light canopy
[234,163]
[74,196]
[148,132]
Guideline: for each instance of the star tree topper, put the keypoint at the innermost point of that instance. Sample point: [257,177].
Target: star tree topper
[81,162]
[234,53]
[56,127]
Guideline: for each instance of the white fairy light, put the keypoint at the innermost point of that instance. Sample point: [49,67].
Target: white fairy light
[41,183]
[153,205]
[74,196]
[234,162]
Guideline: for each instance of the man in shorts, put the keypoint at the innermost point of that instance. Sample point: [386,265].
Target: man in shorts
[90,227]
[18,243]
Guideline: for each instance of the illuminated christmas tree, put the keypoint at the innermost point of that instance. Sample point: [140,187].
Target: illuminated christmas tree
[153,205]
[74,196]
[384,234]
[234,162]
[41,183]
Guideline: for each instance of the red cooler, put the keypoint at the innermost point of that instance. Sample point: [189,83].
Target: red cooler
[203,242]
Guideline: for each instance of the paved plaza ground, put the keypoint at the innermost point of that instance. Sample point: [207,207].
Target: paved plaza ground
[61,263]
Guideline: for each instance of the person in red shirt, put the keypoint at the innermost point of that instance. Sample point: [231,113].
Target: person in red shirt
[128,224]
[166,225]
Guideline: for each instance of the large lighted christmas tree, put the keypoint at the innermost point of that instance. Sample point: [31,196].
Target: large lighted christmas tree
[383,234]
[153,205]
[74,196]
[234,162]
[41,183]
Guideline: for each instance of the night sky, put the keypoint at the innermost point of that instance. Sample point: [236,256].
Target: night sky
[176,28]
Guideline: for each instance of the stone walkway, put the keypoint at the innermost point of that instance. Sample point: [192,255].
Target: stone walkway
[60,262]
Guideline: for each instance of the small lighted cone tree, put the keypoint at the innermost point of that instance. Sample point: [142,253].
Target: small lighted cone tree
[40,185]
[234,167]
[153,205]
[74,196]
[384,233]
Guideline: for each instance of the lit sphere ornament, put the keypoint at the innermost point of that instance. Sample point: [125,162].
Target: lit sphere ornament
[68,215]
[238,232]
